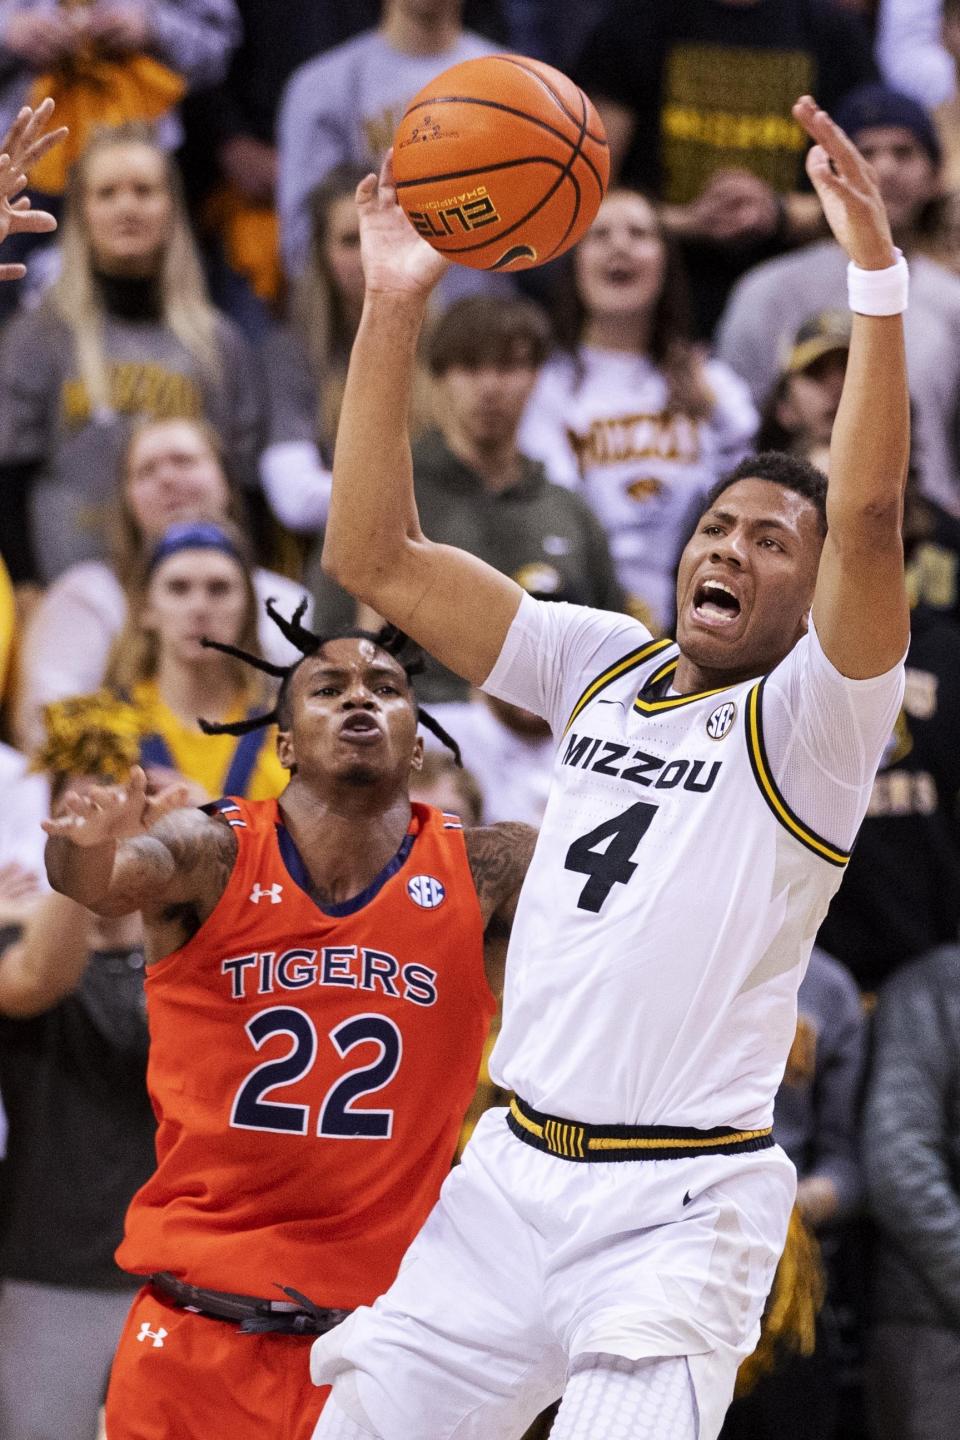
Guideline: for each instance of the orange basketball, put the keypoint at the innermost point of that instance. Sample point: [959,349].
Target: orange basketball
[501,163]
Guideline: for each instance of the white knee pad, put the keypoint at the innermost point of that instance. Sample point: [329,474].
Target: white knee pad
[609,1397]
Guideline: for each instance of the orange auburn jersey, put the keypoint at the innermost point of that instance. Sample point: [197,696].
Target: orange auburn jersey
[310,1068]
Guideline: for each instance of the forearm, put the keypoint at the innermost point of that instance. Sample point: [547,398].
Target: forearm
[47,963]
[870,444]
[373,512]
[82,873]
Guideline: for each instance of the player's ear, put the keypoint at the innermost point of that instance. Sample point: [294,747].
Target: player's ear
[285,751]
[416,762]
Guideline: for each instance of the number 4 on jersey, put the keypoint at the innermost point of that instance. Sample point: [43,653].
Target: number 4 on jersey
[613,865]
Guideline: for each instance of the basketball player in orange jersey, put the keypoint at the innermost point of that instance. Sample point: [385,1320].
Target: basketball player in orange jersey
[318,1003]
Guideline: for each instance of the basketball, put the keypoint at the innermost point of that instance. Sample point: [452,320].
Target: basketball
[501,163]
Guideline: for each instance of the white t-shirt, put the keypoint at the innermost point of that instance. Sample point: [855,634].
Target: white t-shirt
[68,640]
[688,853]
[643,470]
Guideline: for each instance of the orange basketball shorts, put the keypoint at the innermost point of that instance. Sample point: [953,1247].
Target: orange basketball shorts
[180,1376]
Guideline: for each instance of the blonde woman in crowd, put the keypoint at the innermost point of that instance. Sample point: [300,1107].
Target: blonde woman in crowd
[126,332]
[171,470]
[196,585]
[306,367]
[627,411]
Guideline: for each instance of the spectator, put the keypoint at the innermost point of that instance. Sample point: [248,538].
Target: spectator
[440,781]
[73,1052]
[799,412]
[510,752]
[627,413]
[815,1117]
[196,585]
[306,368]
[127,332]
[910,1146]
[192,37]
[344,106]
[477,489]
[696,101]
[105,62]
[171,470]
[901,893]
[911,52]
[769,304]
[931,537]
[231,154]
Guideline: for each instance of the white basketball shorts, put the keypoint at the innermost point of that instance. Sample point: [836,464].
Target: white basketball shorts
[528,1260]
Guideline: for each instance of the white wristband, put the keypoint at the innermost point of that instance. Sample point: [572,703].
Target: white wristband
[879,292]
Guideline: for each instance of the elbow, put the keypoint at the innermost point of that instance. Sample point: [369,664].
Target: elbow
[874,521]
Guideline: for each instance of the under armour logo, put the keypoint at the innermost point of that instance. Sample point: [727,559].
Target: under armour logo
[273,894]
[157,1336]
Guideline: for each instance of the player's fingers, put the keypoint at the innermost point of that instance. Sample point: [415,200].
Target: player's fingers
[175,798]
[387,184]
[137,782]
[366,190]
[40,146]
[821,171]
[32,222]
[827,133]
[12,271]
[61,826]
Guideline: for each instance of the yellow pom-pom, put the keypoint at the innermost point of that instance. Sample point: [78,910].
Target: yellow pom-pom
[96,734]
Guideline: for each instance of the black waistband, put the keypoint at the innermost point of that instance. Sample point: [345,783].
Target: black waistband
[572,1141]
[294,1316]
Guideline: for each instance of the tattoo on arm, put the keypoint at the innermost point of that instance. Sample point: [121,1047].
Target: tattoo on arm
[186,860]
[499,856]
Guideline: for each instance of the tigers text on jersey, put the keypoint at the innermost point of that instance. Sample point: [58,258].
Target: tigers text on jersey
[667,915]
[310,1068]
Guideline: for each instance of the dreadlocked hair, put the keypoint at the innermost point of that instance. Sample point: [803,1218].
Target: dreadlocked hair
[393,641]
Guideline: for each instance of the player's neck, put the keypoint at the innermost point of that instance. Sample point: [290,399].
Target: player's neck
[345,836]
[689,678]
[191,690]
[419,37]
[629,332]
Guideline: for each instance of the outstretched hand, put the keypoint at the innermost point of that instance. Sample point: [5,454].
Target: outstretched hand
[22,146]
[395,258]
[847,187]
[101,814]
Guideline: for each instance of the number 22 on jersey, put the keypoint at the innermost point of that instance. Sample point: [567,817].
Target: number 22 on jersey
[337,1118]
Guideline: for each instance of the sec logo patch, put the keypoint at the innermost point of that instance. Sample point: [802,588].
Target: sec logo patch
[721,719]
[425,891]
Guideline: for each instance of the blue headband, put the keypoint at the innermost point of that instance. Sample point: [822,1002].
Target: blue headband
[192,535]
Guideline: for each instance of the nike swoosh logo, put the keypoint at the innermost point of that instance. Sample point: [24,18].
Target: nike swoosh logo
[686,1198]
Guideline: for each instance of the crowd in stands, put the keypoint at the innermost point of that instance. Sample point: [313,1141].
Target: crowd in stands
[170,376]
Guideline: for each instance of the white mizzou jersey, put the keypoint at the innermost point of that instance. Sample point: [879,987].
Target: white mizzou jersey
[669,911]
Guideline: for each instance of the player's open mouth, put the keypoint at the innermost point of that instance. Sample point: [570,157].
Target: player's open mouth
[715,603]
[360,729]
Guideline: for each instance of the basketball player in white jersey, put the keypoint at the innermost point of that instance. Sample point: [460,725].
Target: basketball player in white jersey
[613,1236]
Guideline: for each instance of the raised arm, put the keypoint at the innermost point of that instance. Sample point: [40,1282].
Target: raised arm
[860,607]
[454,605]
[115,849]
